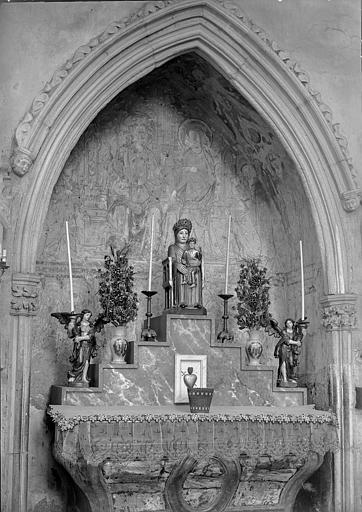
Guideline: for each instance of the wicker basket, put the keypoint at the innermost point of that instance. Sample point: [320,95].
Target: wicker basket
[200,399]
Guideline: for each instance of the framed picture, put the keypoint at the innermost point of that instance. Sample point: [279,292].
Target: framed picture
[199,368]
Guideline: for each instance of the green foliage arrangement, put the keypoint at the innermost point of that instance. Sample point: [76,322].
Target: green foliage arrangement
[253,295]
[116,295]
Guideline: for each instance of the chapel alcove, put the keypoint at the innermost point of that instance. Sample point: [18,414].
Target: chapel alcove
[181,142]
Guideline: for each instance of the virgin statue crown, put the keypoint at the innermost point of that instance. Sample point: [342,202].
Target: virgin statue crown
[182,224]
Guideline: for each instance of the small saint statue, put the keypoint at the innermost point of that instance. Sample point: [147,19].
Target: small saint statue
[287,349]
[82,330]
[184,272]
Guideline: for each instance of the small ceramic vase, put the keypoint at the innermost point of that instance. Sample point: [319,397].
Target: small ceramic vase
[254,348]
[190,378]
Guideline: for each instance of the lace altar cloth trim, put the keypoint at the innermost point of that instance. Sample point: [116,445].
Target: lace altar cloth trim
[67,417]
[153,433]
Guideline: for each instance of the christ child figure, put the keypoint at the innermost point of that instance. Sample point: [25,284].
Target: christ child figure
[192,258]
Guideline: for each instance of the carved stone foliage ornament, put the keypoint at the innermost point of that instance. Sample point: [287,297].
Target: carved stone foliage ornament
[22,162]
[339,312]
[25,294]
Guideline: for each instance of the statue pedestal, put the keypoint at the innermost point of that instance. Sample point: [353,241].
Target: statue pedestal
[171,325]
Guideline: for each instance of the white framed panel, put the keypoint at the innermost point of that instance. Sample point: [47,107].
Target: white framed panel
[182,362]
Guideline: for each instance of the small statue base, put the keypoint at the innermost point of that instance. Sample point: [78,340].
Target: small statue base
[172,326]
[78,384]
[287,384]
[197,310]
[148,334]
[225,337]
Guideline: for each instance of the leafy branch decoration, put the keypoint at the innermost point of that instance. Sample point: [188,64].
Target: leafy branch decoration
[116,282]
[253,295]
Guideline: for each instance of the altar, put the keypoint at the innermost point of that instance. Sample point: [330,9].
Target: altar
[139,459]
[138,434]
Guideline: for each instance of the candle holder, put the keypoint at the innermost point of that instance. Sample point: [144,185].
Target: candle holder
[225,336]
[3,267]
[148,334]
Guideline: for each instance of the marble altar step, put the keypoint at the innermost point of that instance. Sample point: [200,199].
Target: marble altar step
[150,376]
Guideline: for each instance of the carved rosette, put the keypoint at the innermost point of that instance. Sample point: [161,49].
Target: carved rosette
[25,294]
[339,312]
[21,161]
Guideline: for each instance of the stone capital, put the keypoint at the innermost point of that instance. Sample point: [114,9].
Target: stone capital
[25,294]
[339,311]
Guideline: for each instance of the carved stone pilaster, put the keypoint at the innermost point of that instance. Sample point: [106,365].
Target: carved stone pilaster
[21,161]
[351,200]
[25,294]
[339,312]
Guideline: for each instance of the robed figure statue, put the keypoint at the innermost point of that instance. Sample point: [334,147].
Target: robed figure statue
[183,272]
[288,348]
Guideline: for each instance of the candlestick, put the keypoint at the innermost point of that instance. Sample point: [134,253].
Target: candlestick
[151,250]
[302,275]
[148,334]
[227,258]
[70,269]
[225,335]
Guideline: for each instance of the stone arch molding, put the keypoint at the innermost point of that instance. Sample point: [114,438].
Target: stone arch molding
[250,60]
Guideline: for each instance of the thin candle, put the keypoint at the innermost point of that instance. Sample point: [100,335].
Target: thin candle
[302,276]
[340,278]
[151,250]
[70,269]
[227,257]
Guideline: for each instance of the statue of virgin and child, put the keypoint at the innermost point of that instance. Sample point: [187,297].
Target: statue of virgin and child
[184,271]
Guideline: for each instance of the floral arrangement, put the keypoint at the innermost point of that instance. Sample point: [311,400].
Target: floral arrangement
[253,295]
[116,295]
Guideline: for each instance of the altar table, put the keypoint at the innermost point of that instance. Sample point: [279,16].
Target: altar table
[137,459]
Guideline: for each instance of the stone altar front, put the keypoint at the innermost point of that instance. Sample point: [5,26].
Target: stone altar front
[139,459]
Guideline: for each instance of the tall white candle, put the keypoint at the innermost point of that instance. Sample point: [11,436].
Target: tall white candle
[302,276]
[340,277]
[170,278]
[227,257]
[70,269]
[151,250]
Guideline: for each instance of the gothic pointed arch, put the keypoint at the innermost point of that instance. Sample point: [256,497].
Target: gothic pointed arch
[263,73]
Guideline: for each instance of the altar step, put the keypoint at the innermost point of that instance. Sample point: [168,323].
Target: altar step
[149,376]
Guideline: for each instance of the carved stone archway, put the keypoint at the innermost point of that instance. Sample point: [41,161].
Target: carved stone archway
[128,50]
